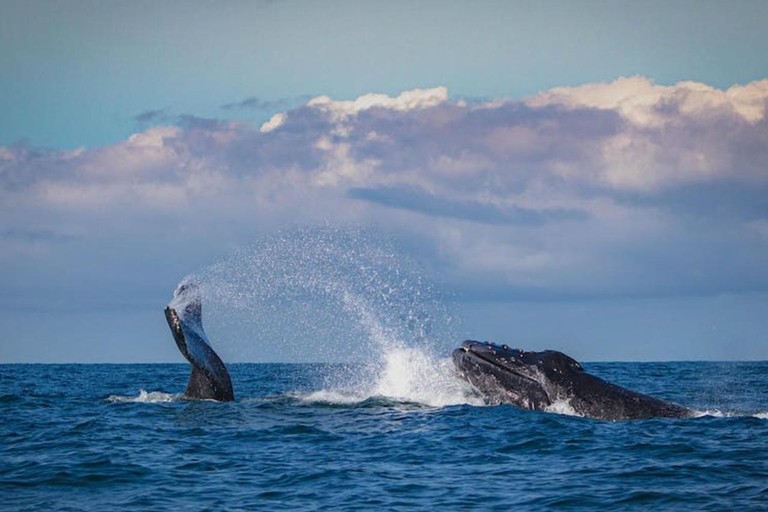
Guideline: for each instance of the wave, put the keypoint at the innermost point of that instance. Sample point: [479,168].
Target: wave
[144,397]
[563,407]
[715,413]
[410,378]
[407,376]
[413,375]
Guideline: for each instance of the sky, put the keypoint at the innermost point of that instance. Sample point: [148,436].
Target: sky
[584,176]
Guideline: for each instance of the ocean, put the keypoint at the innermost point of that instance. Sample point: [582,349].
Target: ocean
[119,438]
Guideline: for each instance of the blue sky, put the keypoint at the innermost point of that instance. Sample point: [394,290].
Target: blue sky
[588,176]
[78,72]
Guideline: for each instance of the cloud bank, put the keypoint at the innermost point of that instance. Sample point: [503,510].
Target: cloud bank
[625,188]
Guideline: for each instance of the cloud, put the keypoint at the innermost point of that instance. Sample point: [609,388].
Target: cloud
[274,122]
[34,236]
[254,103]
[415,200]
[150,116]
[409,100]
[625,187]
[644,103]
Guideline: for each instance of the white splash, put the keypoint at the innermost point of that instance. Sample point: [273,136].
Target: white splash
[352,291]
[715,413]
[152,397]
[357,295]
[408,375]
[562,407]
[413,375]
[331,396]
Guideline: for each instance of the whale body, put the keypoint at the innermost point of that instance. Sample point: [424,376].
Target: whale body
[209,379]
[537,380]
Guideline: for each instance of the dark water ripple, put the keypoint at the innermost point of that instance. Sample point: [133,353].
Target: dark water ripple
[67,446]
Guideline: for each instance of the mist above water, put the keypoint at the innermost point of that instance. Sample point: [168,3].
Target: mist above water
[339,296]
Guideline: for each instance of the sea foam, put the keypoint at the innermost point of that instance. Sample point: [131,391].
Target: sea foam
[145,397]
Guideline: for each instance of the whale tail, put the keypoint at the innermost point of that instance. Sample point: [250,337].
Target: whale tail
[209,378]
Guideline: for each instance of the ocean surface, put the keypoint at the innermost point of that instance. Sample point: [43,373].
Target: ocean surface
[119,438]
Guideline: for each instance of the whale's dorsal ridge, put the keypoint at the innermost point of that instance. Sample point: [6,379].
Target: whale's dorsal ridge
[537,380]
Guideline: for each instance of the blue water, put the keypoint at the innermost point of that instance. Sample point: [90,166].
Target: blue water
[84,437]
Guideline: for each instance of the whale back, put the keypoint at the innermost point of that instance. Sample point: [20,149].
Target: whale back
[537,380]
[594,397]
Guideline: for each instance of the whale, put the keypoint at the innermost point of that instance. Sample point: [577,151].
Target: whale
[542,380]
[209,379]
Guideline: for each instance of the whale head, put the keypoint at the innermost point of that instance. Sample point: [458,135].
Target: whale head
[530,380]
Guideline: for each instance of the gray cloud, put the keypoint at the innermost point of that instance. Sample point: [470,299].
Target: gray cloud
[256,103]
[621,189]
[150,116]
[41,235]
[416,200]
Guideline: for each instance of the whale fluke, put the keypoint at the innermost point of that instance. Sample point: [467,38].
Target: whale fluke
[209,378]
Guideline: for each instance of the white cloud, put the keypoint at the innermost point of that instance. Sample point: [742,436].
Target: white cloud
[276,121]
[750,100]
[407,100]
[634,98]
[598,188]
[341,166]
[153,137]
[646,104]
